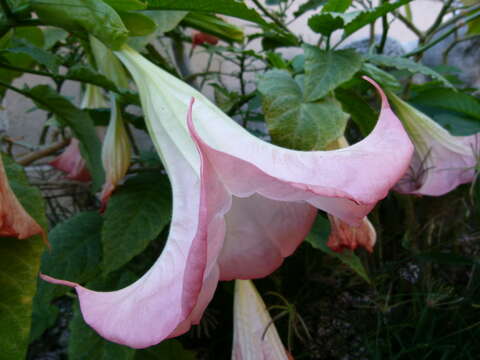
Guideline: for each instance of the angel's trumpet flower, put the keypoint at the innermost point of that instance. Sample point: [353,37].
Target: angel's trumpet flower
[14,220]
[441,161]
[240,205]
[71,161]
[254,334]
[116,152]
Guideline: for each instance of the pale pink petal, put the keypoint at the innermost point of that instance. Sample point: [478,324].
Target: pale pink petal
[14,220]
[346,183]
[72,163]
[254,334]
[160,303]
[441,161]
[344,236]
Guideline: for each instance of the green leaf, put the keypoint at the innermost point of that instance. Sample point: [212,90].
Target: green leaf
[81,124]
[325,70]
[337,5]
[84,342]
[307,6]
[81,72]
[385,79]
[52,36]
[364,116]
[401,63]
[450,100]
[368,17]
[80,16]
[126,5]
[226,7]
[19,265]
[167,350]
[136,214]
[326,23]
[41,56]
[294,122]
[318,238]
[137,23]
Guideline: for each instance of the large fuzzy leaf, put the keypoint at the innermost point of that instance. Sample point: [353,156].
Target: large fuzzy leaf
[19,265]
[292,120]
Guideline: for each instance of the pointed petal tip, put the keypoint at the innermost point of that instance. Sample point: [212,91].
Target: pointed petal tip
[55,281]
[385,103]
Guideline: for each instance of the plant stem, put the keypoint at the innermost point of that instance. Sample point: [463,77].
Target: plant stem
[443,36]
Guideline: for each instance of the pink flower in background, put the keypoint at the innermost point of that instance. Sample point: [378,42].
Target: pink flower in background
[254,334]
[14,220]
[344,236]
[441,161]
[240,205]
[72,163]
[200,38]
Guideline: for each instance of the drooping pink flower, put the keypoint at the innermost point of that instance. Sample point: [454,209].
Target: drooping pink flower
[254,334]
[200,38]
[14,220]
[441,161]
[240,205]
[116,153]
[345,236]
[72,163]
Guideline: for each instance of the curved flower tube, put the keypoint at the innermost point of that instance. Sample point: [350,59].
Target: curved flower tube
[441,161]
[240,205]
[14,220]
[116,152]
[254,334]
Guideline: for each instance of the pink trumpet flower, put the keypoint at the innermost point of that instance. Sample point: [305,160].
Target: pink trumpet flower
[14,220]
[254,334]
[116,153]
[441,161]
[71,161]
[240,205]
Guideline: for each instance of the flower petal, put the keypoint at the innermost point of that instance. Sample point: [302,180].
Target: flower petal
[255,336]
[14,220]
[441,161]
[346,182]
[72,163]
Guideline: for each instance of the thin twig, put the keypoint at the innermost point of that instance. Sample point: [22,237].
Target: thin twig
[39,154]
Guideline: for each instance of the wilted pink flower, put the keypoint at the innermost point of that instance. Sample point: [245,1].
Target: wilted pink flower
[14,220]
[345,236]
[441,161]
[240,205]
[116,153]
[71,161]
[254,334]
[200,38]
